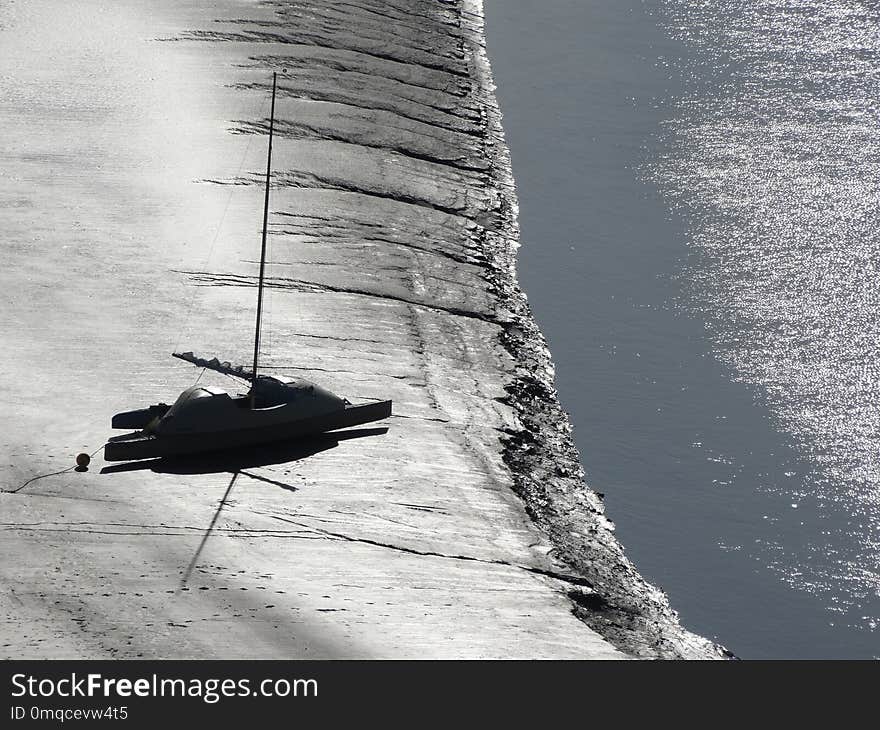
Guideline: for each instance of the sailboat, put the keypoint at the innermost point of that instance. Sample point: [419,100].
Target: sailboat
[205,418]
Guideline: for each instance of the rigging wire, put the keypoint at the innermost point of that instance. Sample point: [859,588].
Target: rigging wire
[261,106]
[187,311]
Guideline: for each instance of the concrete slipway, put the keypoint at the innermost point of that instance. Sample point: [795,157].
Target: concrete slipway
[133,143]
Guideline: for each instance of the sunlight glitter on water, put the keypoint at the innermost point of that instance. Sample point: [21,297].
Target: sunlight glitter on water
[775,164]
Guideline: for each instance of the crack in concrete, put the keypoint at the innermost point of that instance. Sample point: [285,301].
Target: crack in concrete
[564,577]
[229,532]
[319,236]
[342,64]
[402,269]
[135,529]
[308,40]
[220,279]
[420,418]
[315,181]
[345,83]
[302,130]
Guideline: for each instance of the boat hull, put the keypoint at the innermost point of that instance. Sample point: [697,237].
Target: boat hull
[140,445]
[139,418]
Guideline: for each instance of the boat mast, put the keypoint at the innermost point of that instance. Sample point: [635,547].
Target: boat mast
[263,248]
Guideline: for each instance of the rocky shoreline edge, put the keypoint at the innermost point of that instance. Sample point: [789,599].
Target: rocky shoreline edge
[614,600]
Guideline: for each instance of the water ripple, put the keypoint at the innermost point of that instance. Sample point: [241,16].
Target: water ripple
[773,159]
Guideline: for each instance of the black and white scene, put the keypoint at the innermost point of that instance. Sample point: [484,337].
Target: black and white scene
[439,329]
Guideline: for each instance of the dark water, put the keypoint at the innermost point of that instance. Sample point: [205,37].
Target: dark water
[712,324]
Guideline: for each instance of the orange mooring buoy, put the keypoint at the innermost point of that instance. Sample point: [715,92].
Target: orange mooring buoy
[83,460]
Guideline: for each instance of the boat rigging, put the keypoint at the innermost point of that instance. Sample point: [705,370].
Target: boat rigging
[275,408]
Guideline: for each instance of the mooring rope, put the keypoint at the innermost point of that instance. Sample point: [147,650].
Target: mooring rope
[50,474]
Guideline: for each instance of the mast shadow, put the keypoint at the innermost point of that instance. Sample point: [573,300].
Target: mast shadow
[215,462]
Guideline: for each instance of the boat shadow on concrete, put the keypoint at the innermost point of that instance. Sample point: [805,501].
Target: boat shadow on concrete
[237,460]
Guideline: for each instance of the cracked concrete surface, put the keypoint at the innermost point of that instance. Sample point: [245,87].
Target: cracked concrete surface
[132,216]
